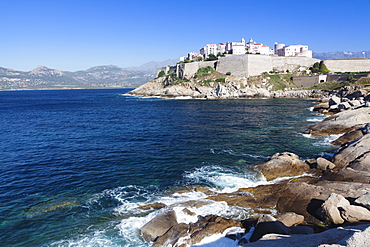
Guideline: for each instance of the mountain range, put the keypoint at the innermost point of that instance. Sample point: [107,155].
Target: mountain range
[341,54]
[108,76]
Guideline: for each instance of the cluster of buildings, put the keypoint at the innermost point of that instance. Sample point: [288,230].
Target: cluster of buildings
[239,48]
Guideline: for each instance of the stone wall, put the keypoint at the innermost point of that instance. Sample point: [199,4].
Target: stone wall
[187,70]
[306,81]
[243,66]
[348,65]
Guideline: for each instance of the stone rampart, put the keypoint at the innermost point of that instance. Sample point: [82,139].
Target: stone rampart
[243,66]
[187,70]
[348,65]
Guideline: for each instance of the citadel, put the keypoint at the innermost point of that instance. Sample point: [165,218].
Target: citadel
[239,48]
[243,60]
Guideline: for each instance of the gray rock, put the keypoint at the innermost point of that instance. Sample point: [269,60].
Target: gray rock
[350,236]
[344,106]
[172,235]
[366,129]
[281,165]
[334,101]
[324,164]
[353,213]
[341,122]
[352,152]
[158,225]
[364,200]
[291,219]
[329,211]
[355,103]
[268,224]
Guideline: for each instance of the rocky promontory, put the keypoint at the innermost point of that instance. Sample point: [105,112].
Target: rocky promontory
[214,85]
[315,202]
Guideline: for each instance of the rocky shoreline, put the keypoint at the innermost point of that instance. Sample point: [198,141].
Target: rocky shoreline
[320,202]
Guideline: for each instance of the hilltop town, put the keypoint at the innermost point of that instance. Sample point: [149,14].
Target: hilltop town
[239,48]
[240,69]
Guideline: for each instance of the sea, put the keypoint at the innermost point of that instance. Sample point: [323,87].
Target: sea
[76,165]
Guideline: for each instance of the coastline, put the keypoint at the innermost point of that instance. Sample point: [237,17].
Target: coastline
[294,189]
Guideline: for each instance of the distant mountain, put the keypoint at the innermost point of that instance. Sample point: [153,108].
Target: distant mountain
[100,76]
[340,54]
[152,66]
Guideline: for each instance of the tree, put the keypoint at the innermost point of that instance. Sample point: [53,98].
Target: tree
[323,68]
[160,74]
[319,67]
[211,57]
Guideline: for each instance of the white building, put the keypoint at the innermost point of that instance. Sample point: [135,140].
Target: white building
[221,48]
[208,49]
[257,48]
[292,50]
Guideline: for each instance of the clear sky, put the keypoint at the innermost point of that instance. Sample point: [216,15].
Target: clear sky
[78,34]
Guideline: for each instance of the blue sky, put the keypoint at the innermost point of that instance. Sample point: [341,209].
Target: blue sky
[78,34]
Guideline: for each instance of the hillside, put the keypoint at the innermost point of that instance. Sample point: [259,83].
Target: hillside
[96,77]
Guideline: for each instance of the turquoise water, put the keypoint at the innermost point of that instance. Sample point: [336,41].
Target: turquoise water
[76,164]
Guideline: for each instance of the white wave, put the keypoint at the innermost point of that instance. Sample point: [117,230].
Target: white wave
[256,156]
[315,119]
[95,239]
[220,240]
[225,180]
[326,141]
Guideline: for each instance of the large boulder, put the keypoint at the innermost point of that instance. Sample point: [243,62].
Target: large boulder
[348,137]
[158,225]
[329,210]
[354,213]
[172,235]
[281,165]
[324,164]
[353,152]
[268,224]
[208,226]
[291,219]
[341,122]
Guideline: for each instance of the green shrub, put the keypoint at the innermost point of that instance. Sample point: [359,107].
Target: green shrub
[228,73]
[161,73]
[222,80]
[204,71]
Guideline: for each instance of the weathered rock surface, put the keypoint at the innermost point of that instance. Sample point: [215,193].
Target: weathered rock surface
[158,225]
[268,224]
[195,232]
[341,122]
[364,200]
[357,150]
[348,137]
[208,226]
[329,210]
[281,165]
[352,213]
[172,236]
[350,236]
[291,219]
[324,164]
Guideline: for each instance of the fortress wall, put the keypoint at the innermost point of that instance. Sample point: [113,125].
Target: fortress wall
[237,65]
[292,63]
[347,65]
[257,64]
[187,70]
[306,81]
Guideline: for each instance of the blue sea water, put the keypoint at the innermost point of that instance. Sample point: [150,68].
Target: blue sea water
[76,164]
